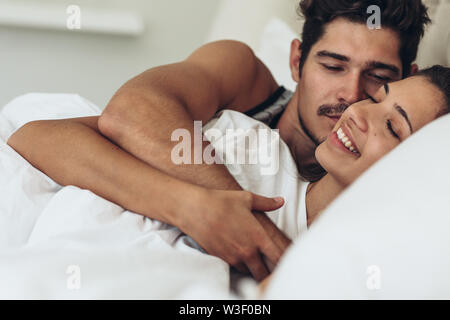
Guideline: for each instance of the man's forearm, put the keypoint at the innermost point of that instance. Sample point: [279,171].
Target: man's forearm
[72,153]
[144,129]
[146,110]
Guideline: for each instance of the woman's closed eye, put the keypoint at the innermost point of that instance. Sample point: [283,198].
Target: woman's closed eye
[388,122]
[391,130]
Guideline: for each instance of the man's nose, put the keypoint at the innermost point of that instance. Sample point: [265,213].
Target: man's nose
[351,89]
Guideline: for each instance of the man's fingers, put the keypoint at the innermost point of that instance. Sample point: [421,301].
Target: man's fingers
[272,231]
[242,268]
[271,252]
[257,267]
[261,203]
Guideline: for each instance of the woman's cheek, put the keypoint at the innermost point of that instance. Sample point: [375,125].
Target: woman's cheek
[382,149]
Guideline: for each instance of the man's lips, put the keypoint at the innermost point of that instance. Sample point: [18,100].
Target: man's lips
[334,118]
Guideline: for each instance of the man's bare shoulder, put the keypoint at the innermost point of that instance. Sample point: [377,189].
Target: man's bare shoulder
[244,80]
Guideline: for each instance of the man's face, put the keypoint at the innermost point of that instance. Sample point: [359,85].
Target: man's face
[347,63]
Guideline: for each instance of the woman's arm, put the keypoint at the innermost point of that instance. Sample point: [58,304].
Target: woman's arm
[73,152]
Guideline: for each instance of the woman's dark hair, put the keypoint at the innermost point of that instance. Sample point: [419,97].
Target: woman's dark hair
[407,17]
[440,77]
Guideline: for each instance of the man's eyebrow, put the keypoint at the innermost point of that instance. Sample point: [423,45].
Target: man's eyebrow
[382,65]
[333,55]
[404,115]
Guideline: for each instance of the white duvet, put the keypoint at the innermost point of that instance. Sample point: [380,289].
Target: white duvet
[65,242]
[386,237]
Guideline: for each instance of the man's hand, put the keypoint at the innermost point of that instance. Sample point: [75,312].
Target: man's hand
[223,224]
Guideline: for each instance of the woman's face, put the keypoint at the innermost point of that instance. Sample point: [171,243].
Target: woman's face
[371,128]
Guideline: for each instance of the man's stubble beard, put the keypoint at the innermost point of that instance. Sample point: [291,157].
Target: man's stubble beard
[313,171]
[322,111]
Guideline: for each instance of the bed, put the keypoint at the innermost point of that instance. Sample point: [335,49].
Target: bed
[67,243]
[384,238]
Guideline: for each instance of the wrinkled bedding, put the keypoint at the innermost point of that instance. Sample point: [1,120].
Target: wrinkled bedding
[67,243]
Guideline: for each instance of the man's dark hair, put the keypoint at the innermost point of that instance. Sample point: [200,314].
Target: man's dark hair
[407,17]
[440,77]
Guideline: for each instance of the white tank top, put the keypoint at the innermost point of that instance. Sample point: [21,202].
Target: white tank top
[262,177]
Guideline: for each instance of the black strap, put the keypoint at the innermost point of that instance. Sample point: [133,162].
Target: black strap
[274,122]
[266,103]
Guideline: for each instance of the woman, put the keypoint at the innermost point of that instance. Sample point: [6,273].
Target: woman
[366,131]
[371,128]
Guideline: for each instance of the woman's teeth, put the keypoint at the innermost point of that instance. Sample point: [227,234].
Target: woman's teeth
[346,141]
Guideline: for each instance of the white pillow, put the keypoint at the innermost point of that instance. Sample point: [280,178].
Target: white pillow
[386,237]
[435,45]
[274,51]
[274,44]
[40,106]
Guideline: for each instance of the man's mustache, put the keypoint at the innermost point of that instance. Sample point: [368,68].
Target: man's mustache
[332,110]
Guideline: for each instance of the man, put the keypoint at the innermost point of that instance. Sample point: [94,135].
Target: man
[338,63]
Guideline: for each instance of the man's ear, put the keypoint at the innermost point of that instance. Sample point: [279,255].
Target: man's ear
[414,69]
[294,59]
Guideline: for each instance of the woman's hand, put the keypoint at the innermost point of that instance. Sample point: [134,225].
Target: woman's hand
[222,223]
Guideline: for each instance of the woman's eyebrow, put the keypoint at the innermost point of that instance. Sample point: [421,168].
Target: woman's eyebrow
[404,115]
[400,109]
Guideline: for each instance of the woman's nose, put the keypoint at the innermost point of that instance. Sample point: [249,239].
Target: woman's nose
[357,115]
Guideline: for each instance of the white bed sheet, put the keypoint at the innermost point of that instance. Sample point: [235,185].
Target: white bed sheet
[48,232]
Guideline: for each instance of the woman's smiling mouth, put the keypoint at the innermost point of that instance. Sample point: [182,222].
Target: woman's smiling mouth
[345,142]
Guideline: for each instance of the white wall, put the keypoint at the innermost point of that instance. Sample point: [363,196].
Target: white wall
[95,65]
[233,16]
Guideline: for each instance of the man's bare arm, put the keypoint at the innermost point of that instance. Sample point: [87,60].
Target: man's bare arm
[82,177]
[146,110]
[73,152]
